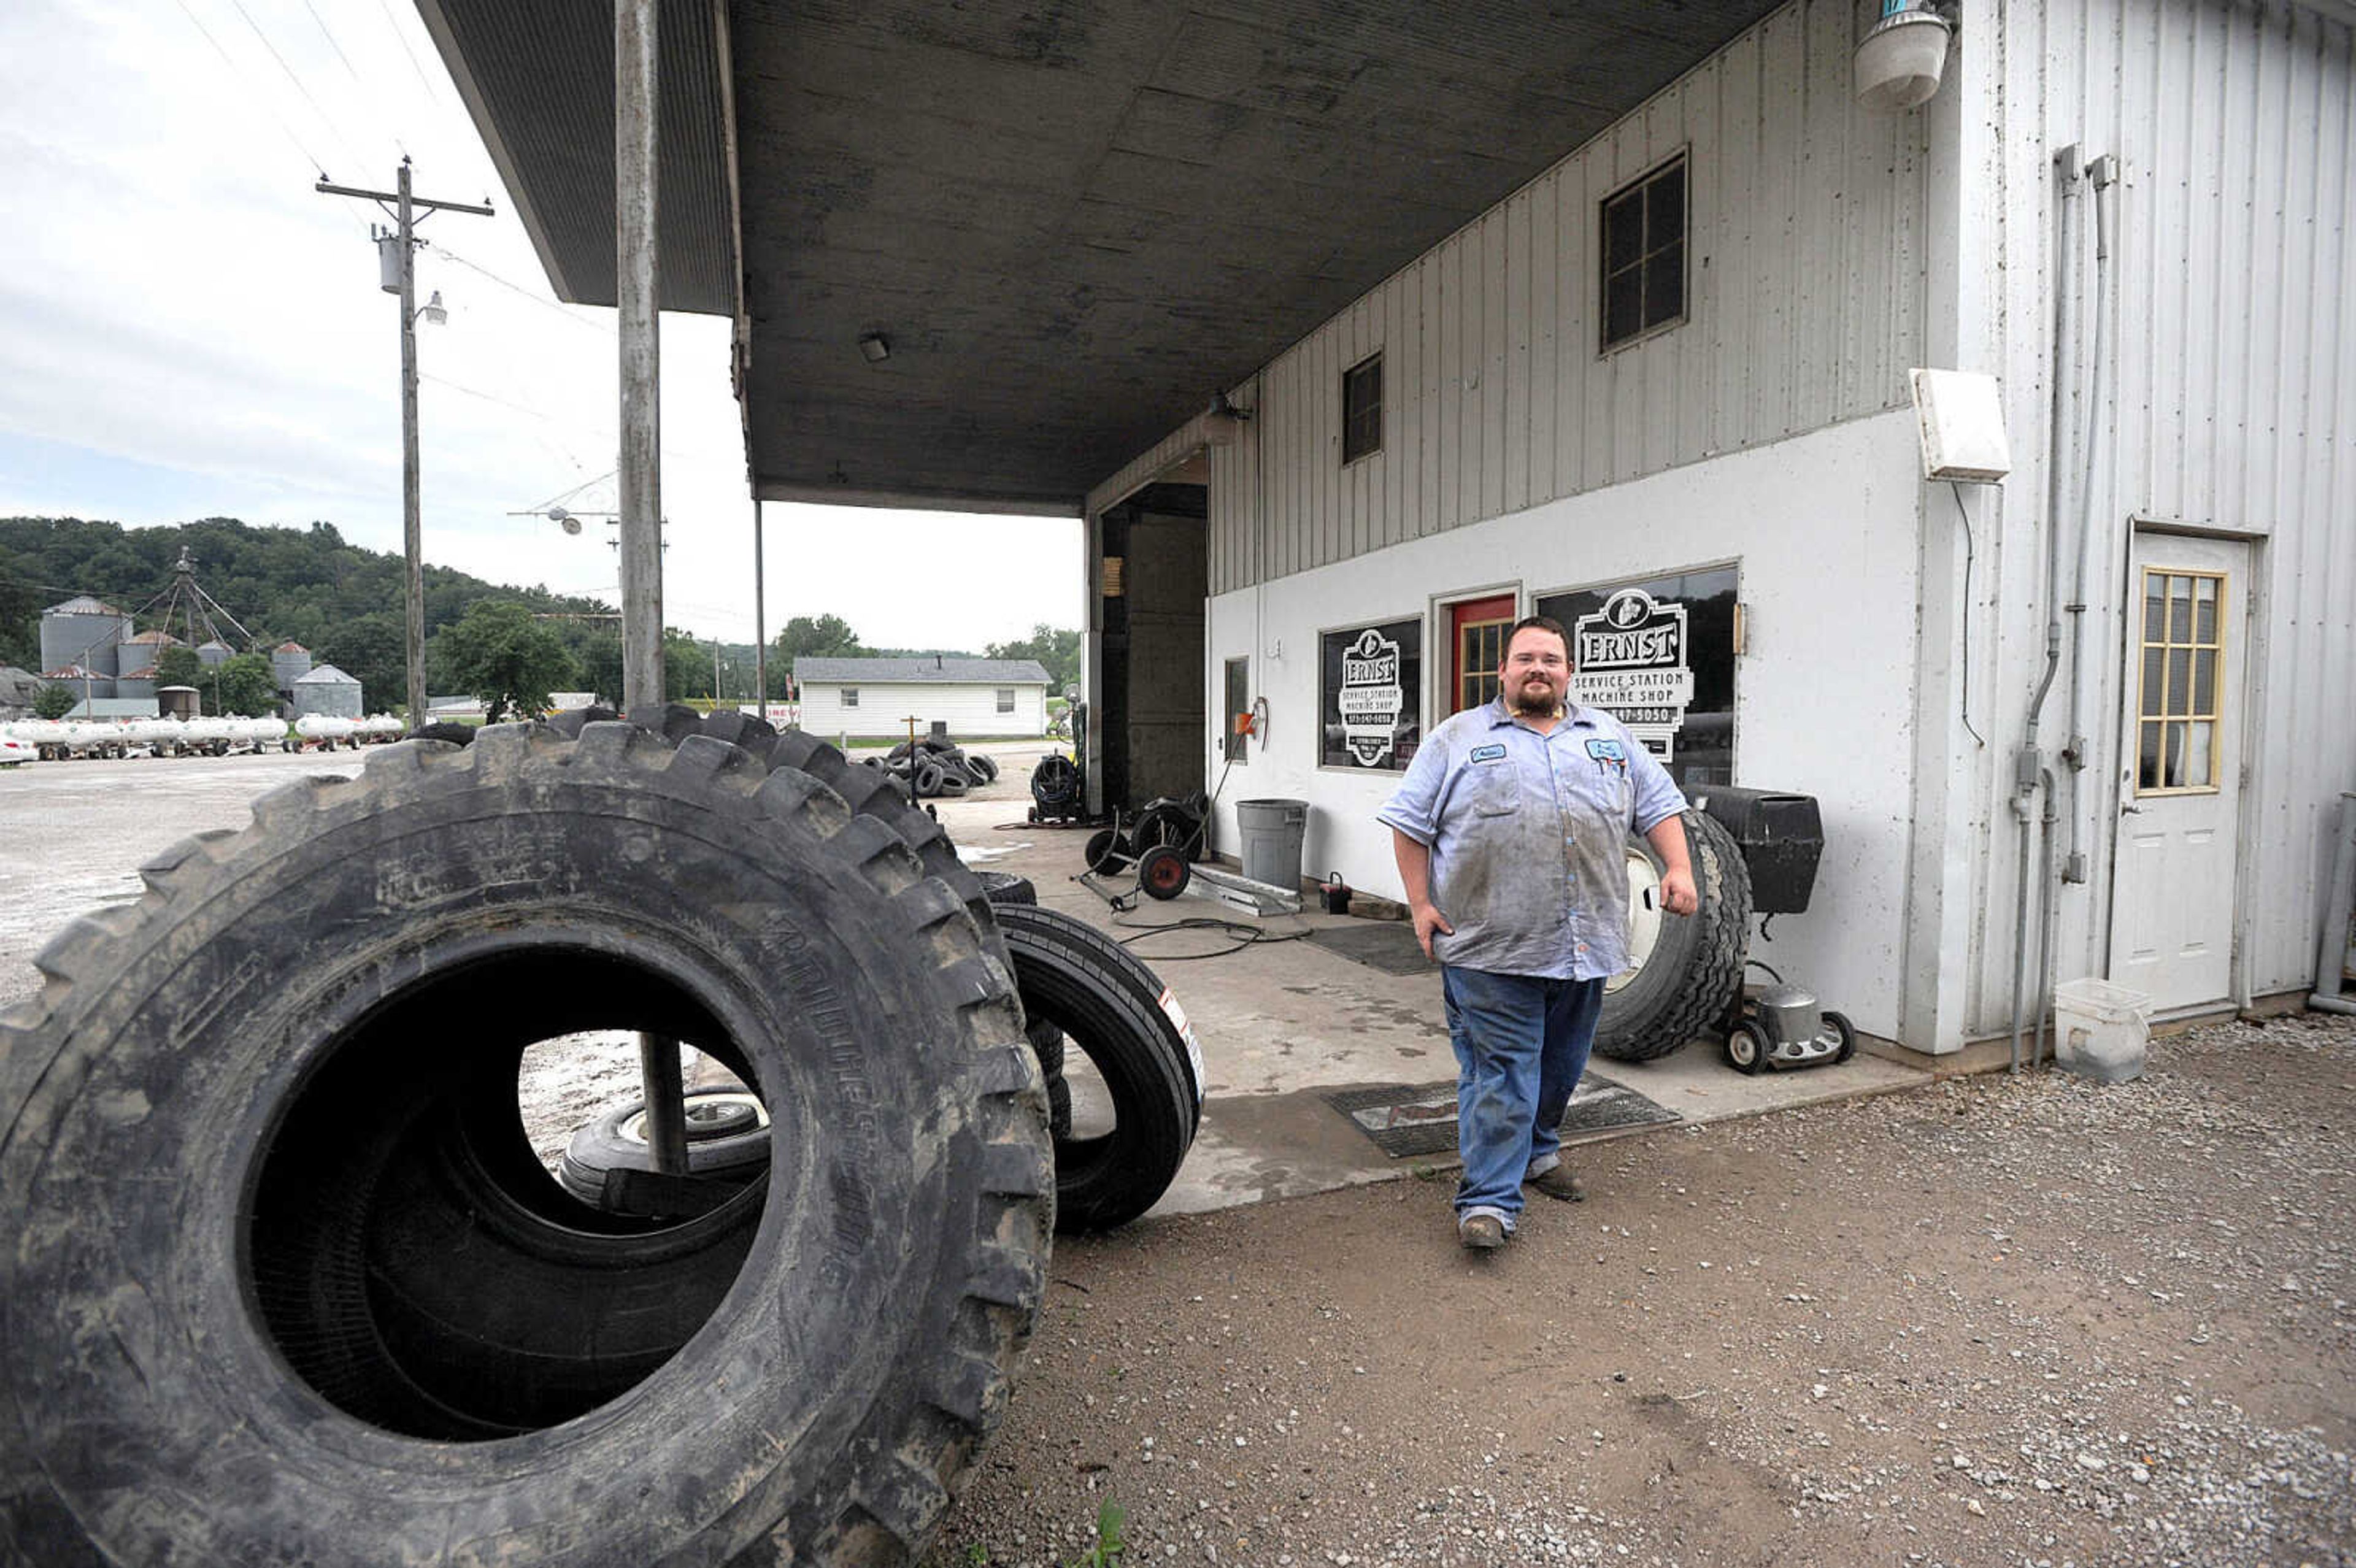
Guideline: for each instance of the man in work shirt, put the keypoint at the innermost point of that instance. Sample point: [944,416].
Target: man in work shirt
[1510,827]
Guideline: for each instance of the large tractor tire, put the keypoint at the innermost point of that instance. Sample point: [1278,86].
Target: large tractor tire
[285,1282]
[1684,971]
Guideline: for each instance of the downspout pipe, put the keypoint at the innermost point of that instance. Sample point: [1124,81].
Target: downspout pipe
[2104,172]
[2028,764]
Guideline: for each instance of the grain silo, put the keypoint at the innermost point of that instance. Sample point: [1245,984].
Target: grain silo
[83,633]
[289,662]
[215,654]
[327,692]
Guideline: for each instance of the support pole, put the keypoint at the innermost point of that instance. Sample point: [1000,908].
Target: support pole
[636,285]
[413,538]
[637,282]
[760,624]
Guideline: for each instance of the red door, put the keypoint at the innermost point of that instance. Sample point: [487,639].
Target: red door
[1478,649]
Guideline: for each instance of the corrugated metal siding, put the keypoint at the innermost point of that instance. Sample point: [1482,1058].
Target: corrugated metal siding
[1805,295]
[2235,399]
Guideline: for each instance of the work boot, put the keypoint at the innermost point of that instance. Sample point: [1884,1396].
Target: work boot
[1481,1232]
[1558,1181]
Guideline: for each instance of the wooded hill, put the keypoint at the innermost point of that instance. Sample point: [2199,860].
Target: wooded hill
[344,603]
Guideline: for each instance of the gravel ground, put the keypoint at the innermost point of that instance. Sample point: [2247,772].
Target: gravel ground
[1996,1321]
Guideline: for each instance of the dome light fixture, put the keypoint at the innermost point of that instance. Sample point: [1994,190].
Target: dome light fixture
[1901,58]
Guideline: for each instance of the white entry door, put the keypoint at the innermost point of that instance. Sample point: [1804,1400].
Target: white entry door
[2173,879]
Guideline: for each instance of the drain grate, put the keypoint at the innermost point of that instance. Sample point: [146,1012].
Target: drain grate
[1420,1118]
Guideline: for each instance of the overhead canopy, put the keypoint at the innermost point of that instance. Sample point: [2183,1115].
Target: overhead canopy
[1068,220]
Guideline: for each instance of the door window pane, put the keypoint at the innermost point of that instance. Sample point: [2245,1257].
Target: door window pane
[2178,738]
[2199,754]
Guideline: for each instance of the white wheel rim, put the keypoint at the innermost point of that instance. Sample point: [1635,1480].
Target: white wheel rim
[1643,919]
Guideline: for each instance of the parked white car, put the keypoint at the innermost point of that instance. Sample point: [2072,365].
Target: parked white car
[14,752]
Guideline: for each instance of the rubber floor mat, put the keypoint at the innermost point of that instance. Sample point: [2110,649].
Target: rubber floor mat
[1385,944]
[1405,1119]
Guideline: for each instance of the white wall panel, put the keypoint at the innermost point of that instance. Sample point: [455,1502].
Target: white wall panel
[2233,402]
[969,710]
[1802,312]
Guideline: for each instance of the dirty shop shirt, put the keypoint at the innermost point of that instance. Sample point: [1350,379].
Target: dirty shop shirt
[1527,833]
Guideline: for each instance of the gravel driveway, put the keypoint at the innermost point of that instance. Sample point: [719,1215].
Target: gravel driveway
[1996,1321]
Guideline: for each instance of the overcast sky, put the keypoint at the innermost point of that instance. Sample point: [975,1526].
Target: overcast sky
[192,331]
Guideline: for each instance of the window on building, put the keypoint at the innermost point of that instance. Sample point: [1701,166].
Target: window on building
[1238,703]
[1644,255]
[851,697]
[2178,700]
[1362,409]
[1006,699]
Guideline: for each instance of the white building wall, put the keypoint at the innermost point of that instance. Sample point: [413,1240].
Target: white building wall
[969,711]
[2232,407]
[1805,300]
[1824,692]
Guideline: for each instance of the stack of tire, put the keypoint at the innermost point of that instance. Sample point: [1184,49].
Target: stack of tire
[936,767]
[287,1281]
[1078,987]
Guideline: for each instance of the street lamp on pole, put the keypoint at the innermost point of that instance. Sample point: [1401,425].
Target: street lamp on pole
[397,274]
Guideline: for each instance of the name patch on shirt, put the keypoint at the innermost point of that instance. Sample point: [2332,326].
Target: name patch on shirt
[1487,753]
[1603,751]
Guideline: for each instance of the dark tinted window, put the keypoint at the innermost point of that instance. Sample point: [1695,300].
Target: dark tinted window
[1644,255]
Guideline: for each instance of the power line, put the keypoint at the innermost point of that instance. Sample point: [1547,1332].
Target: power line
[402,38]
[316,162]
[333,128]
[540,300]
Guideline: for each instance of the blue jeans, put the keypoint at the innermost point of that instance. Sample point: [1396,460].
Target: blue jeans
[1521,1044]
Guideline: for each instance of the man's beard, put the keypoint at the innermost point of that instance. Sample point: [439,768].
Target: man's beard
[1537,701]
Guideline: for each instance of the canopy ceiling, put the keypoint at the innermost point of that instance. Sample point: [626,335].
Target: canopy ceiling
[1069,219]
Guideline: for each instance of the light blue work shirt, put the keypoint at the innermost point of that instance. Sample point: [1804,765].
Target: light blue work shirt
[1529,838]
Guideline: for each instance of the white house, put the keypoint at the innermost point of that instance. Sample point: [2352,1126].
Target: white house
[871,697]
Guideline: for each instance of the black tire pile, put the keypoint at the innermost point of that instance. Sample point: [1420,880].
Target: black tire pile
[935,768]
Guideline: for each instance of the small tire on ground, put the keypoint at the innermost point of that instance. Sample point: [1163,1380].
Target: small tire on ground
[1108,1004]
[1006,888]
[588,1390]
[1692,972]
[615,1140]
[1746,1048]
[1847,1032]
[1163,872]
[1105,850]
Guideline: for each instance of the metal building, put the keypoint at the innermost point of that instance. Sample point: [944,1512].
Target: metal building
[327,692]
[1355,332]
[83,633]
[875,696]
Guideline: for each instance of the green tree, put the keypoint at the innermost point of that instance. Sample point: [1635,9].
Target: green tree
[687,667]
[820,637]
[600,658]
[374,649]
[180,666]
[498,653]
[55,701]
[246,685]
[1057,650]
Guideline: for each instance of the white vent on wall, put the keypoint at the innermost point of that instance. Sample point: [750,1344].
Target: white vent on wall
[1961,421]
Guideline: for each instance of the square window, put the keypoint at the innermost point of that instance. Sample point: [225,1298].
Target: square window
[1362,409]
[851,697]
[1006,699]
[1644,250]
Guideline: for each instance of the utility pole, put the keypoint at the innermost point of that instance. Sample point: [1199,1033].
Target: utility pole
[637,295]
[396,254]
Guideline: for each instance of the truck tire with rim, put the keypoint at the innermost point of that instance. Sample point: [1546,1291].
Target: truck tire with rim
[1684,971]
[287,1283]
[1110,1006]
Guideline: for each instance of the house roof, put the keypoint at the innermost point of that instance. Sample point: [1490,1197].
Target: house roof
[1069,221]
[927,671]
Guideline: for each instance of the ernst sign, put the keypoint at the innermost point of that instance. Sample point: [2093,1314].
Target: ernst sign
[1633,658]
